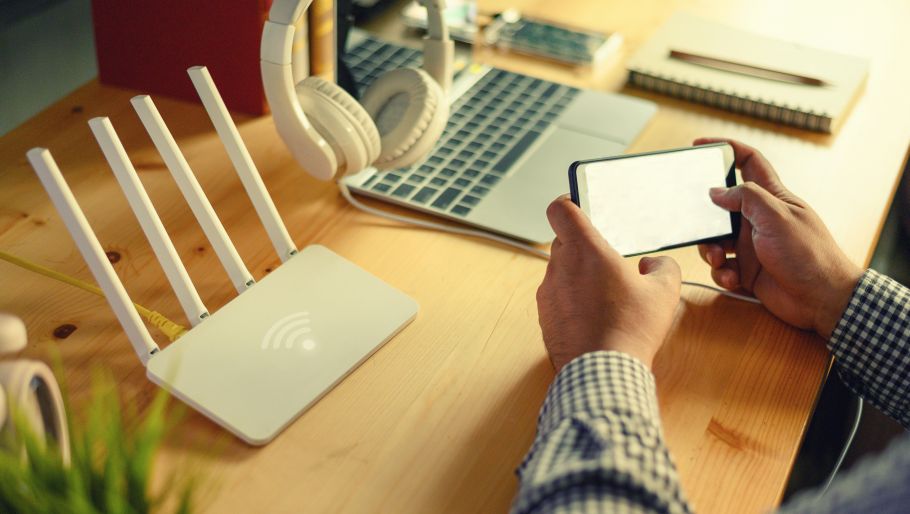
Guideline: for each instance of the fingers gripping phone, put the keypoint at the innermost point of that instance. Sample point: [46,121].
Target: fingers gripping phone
[654,201]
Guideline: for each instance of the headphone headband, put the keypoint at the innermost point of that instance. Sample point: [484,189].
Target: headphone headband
[436,27]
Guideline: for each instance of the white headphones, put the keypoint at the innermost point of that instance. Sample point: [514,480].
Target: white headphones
[30,387]
[329,133]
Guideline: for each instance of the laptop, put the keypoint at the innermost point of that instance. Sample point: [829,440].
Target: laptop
[507,147]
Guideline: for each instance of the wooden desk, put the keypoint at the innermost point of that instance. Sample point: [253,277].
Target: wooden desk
[438,419]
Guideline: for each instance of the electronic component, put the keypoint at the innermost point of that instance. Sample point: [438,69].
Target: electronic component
[28,388]
[512,31]
[257,363]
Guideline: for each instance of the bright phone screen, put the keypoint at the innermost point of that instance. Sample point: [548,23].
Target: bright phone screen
[648,202]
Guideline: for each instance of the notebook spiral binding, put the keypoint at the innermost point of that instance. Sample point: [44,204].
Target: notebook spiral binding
[786,115]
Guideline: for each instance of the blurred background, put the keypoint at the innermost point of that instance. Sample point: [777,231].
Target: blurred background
[47,49]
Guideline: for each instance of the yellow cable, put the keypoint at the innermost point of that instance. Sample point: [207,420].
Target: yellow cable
[169,328]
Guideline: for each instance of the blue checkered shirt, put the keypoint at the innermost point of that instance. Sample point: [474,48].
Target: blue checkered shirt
[599,445]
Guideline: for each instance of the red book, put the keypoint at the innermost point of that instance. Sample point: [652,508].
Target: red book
[147,45]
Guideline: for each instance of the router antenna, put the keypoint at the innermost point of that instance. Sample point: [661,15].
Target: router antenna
[242,161]
[87,242]
[192,192]
[151,224]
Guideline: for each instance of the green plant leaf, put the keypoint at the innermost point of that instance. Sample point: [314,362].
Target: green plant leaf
[112,453]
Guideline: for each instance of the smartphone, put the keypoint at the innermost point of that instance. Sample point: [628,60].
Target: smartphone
[646,202]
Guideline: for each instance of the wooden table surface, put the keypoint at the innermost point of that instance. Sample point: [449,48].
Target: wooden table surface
[437,420]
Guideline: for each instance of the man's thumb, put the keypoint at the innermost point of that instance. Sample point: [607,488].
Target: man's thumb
[660,267]
[729,199]
[753,201]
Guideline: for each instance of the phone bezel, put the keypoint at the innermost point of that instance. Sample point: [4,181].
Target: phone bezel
[730,181]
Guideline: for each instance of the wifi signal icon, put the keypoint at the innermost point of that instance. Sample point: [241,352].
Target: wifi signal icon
[288,332]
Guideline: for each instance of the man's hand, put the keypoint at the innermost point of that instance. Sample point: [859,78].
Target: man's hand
[784,254]
[592,299]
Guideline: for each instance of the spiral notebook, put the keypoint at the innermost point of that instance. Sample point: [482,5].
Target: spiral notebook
[818,108]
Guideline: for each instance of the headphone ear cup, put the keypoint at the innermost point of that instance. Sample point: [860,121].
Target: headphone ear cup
[335,123]
[410,110]
[363,122]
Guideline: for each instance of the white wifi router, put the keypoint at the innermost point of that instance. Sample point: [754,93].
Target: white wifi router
[270,353]
[261,360]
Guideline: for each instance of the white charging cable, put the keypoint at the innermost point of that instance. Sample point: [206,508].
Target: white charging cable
[346,193]
[537,252]
[840,459]
[730,294]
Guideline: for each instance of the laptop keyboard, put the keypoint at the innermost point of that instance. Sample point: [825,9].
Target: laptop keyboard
[490,127]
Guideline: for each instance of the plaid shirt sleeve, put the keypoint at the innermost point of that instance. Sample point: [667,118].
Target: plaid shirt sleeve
[599,445]
[871,345]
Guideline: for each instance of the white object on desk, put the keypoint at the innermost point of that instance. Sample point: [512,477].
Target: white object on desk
[260,361]
[805,106]
[192,192]
[242,161]
[273,351]
[148,219]
[12,336]
[30,389]
[78,227]
[330,133]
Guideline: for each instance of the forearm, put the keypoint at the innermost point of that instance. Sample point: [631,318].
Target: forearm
[871,345]
[599,444]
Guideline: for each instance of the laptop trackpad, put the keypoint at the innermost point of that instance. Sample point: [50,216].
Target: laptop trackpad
[617,117]
[518,205]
